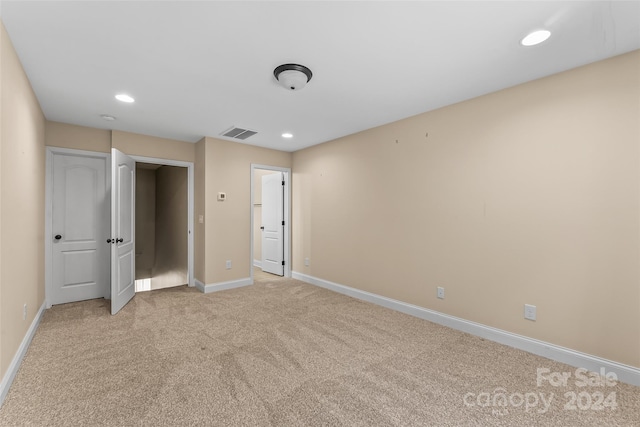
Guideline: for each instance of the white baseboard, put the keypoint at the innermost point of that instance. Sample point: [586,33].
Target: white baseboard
[257,263]
[625,373]
[143,285]
[22,350]
[223,286]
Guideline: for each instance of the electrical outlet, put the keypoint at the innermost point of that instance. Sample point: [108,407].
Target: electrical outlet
[228,265]
[440,292]
[24,312]
[530,312]
[306,262]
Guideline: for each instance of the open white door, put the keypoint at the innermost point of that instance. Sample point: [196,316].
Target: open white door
[273,224]
[123,184]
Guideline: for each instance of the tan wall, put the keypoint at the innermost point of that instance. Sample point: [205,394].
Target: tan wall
[170,268]
[85,138]
[22,166]
[228,169]
[3,35]
[77,137]
[135,144]
[145,222]
[528,195]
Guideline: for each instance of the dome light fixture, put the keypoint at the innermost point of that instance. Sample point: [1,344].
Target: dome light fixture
[287,135]
[535,37]
[292,76]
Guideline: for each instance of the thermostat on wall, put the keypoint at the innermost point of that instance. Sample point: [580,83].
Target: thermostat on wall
[222,197]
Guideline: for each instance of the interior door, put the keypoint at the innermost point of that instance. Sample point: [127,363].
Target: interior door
[80,226]
[273,224]
[123,184]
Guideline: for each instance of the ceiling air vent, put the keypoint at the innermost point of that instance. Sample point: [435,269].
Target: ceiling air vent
[238,133]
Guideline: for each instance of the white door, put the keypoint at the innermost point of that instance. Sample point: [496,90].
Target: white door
[80,227]
[123,184]
[273,224]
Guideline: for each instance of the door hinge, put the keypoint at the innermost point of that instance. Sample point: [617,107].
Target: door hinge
[282,222]
[282,262]
[282,182]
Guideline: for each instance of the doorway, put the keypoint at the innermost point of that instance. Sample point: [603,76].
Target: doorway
[260,173]
[161,221]
[82,254]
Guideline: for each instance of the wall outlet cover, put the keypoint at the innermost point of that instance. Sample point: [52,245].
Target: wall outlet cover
[530,312]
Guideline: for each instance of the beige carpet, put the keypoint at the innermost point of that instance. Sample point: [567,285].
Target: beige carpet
[284,353]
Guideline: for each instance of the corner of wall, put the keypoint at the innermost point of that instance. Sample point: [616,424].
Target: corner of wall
[200,211]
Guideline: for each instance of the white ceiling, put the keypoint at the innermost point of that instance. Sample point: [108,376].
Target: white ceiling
[198,68]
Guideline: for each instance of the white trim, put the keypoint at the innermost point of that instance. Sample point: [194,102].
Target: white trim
[190,205]
[625,373]
[287,214]
[143,285]
[48,211]
[223,286]
[17,359]
[257,263]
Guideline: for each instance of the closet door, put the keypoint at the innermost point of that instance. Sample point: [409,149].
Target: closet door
[273,224]
[123,185]
[79,228]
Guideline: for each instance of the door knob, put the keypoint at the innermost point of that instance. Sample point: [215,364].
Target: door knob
[110,241]
[119,240]
[262,228]
[57,237]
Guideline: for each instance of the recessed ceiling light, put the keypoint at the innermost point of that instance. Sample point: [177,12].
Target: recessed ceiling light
[107,117]
[287,135]
[124,97]
[535,37]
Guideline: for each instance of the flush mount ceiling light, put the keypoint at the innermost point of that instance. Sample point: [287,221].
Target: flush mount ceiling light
[287,135]
[107,117]
[124,97]
[535,38]
[292,76]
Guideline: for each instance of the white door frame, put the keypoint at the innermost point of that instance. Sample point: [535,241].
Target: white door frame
[48,211]
[190,208]
[287,215]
